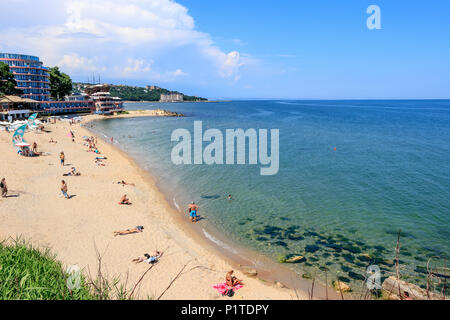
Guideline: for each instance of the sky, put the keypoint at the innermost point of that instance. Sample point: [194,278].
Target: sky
[247,49]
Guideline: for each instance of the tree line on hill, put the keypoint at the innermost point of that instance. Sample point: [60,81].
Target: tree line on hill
[131,93]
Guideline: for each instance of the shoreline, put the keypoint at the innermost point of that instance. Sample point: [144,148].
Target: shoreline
[76,229]
[233,253]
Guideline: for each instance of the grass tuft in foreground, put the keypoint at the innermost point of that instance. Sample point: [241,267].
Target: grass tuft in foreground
[27,273]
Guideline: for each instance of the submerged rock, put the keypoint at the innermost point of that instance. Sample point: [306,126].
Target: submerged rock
[365,257]
[295,236]
[280,243]
[356,276]
[311,248]
[351,248]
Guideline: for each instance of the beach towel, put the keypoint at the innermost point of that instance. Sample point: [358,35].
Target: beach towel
[223,287]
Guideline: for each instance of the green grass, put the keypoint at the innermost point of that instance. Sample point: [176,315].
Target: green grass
[29,274]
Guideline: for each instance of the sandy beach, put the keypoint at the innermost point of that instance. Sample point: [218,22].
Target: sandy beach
[76,229]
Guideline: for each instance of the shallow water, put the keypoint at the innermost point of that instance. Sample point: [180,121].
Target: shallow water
[390,171]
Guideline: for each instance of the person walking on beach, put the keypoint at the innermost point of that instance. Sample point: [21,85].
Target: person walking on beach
[62,158]
[4,188]
[64,189]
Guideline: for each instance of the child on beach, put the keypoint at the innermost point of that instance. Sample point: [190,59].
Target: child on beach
[64,189]
[129,231]
[62,158]
[4,188]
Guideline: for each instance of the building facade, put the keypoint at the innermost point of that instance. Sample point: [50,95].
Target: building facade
[104,103]
[16,108]
[30,74]
[32,78]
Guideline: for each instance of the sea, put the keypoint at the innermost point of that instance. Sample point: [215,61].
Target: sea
[356,178]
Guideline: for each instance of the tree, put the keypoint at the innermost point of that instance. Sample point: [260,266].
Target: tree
[60,84]
[7,82]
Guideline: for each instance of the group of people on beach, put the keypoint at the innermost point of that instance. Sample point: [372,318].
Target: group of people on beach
[230,280]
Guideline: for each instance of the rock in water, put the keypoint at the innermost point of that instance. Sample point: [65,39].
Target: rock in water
[343,287]
[295,259]
[415,292]
[249,271]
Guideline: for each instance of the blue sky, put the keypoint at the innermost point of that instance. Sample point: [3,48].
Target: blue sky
[244,49]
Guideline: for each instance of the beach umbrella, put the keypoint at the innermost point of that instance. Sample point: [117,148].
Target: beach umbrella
[22,144]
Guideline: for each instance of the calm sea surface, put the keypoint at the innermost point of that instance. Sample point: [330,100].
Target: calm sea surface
[352,173]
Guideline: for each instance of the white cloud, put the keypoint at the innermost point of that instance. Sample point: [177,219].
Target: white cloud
[136,66]
[121,38]
[75,61]
[178,73]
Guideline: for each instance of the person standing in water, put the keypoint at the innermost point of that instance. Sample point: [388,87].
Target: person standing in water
[193,208]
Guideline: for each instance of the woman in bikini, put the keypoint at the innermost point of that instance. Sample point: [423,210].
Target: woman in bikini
[231,280]
[129,231]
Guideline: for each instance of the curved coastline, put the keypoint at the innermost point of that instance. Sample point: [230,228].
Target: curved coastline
[207,236]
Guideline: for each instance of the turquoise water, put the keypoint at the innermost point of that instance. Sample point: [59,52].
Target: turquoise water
[390,171]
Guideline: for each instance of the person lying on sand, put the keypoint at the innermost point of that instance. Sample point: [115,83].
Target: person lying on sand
[99,163]
[129,231]
[73,172]
[125,200]
[4,188]
[52,141]
[123,183]
[148,258]
[232,280]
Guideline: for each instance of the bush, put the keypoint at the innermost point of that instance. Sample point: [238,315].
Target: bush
[282,258]
[27,273]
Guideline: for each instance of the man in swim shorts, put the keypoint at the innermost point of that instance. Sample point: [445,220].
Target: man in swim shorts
[193,211]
